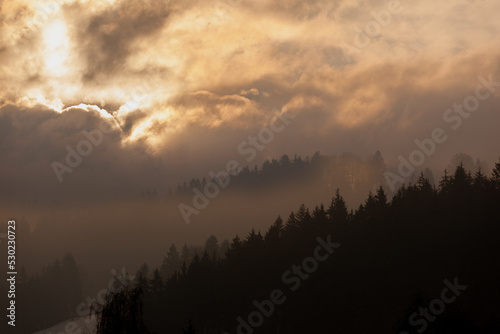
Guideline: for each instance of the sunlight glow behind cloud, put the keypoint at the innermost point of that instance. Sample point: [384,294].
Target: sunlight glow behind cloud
[56,48]
[196,59]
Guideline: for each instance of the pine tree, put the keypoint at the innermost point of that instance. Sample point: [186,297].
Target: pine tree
[224,247]
[253,239]
[142,278]
[156,282]
[495,178]
[445,183]
[236,243]
[423,184]
[186,254]
[381,198]
[337,212]
[212,246]
[461,179]
[171,263]
[275,231]
[292,223]
[319,215]
[480,181]
[303,216]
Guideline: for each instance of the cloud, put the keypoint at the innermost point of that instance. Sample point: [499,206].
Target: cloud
[186,81]
[106,38]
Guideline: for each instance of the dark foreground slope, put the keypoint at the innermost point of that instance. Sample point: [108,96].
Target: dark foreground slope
[425,261]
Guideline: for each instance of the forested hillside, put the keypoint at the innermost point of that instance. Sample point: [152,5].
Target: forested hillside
[381,268]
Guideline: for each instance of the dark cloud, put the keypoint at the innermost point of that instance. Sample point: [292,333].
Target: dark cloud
[131,119]
[106,38]
[186,87]
[34,138]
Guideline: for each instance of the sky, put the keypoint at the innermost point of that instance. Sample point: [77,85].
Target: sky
[179,85]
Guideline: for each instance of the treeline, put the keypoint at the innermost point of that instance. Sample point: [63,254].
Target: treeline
[174,261]
[345,171]
[272,172]
[321,172]
[47,298]
[393,258]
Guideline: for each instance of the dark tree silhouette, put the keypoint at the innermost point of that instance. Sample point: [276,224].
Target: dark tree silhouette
[190,329]
[391,247]
[122,313]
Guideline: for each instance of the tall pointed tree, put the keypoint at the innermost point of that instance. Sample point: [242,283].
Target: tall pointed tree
[156,282]
[275,231]
[212,246]
[186,254]
[142,278]
[495,178]
[337,212]
[171,263]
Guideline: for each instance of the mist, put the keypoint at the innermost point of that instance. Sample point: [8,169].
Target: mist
[165,163]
